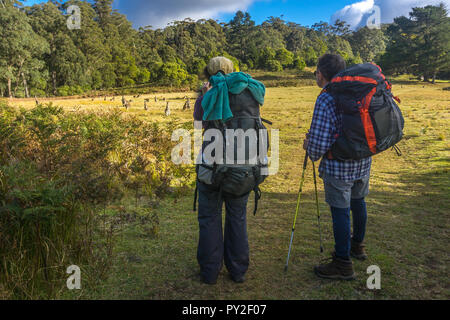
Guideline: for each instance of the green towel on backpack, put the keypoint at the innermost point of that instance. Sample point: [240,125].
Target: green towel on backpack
[216,102]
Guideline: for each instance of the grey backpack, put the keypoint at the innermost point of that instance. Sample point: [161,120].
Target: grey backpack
[230,176]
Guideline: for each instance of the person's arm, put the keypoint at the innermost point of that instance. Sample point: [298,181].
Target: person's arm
[198,109]
[322,134]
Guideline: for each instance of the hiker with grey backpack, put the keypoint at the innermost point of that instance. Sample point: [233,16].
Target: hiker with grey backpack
[230,112]
[355,118]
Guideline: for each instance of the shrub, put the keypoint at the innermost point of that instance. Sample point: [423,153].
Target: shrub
[71,165]
[172,73]
[42,231]
[299,63]
[285,57]
[274,65]
[310,56]
[63,91]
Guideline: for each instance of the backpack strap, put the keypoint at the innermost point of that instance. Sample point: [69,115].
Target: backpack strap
[195,197]
[258,195]
[257,190]
[267,121]
[397,150]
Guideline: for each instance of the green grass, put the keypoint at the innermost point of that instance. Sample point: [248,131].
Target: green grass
[408,225]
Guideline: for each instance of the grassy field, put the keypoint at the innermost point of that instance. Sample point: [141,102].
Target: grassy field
[409,214]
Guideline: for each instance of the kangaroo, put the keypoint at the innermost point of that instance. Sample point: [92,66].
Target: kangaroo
[167,111]
[187,105]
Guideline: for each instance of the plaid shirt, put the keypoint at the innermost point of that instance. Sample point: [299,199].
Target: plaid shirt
[325,128]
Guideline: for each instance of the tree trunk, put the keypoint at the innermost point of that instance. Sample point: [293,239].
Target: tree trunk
[434,78]
[25,86]
[54,82]
[9,88]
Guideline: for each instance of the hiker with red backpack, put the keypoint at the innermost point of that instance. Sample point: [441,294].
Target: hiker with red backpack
[355,117]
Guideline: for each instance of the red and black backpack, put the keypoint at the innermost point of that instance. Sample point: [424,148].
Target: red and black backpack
[371,119]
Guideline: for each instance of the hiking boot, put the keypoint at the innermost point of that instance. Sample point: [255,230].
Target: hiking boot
[337,269]
[207,281]
[238,279]
[357,251]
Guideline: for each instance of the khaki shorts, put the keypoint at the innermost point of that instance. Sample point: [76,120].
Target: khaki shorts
[339,193]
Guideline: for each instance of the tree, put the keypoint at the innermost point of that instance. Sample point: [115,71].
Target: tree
[400,52]
[295,40]
[309,56]
[285,57]
[299,63]
[370,44]
[265,56]
[173,74]
[238,32]
[20,55]
[341,28]
[42,56]
[339,45]
[274,65]
[419,44]
[93,44]
[431,30]
[65,62]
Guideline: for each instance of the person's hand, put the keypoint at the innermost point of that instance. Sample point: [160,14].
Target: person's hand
[306,142]
[206,87]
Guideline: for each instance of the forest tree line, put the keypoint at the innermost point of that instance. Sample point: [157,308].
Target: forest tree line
[40,55]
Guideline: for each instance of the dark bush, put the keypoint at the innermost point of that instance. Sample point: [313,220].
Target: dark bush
[58,172]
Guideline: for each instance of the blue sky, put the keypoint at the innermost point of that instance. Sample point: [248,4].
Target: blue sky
[305,12]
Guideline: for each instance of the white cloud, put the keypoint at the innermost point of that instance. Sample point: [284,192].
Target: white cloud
[158,13]
[357,14]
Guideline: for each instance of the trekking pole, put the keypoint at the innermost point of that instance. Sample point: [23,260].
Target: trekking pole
[317,205]
[305,164]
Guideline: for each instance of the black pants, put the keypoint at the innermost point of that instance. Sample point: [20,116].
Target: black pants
[214,247]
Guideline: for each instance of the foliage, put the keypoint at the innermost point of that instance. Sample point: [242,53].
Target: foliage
[43,57]
[419,44]
[72,165]
[274,65]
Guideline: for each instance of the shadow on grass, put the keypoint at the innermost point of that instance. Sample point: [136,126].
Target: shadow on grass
[407,237]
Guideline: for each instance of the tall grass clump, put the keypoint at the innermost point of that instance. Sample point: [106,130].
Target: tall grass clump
[58,173]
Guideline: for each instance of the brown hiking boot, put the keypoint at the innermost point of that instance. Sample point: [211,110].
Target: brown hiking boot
[337,269]
[357,251]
